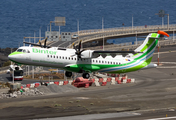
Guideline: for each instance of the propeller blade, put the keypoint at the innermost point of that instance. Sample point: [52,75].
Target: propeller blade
[73,46]
[40,43]
[79,47]
[45,42]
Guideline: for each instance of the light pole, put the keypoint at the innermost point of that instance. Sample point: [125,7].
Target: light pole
[167,21]
[136,38]
[158,52]
[132,21]
[173,36]
[103,32]
[34,36]
[78,26]
[162,14]
[40,33]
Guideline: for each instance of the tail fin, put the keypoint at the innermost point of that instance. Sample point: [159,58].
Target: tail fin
[148,48]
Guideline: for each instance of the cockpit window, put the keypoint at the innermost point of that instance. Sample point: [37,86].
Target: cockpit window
[19,50]
[23,50]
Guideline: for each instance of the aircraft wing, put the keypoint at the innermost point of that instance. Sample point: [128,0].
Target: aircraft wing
[32,43]
[114,53]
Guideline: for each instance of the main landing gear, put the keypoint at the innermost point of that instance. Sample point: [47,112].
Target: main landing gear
[84,75]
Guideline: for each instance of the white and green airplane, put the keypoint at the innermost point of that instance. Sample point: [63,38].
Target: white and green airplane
[88,61]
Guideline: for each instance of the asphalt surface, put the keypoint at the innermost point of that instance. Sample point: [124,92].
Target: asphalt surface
[151,96]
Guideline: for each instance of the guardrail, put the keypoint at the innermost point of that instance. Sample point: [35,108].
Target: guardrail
[129,45]
[115,32]
[94,31]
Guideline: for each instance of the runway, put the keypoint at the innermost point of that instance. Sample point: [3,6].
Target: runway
[151,96]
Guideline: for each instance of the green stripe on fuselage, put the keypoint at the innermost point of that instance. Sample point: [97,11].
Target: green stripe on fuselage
[16,53]
[135,68]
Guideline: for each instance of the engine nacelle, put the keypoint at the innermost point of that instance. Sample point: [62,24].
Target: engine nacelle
[89,54]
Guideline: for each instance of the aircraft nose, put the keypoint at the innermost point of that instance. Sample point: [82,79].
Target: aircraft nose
[10,57]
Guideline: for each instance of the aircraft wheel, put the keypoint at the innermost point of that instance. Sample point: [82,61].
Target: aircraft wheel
[68,74]
[86,75]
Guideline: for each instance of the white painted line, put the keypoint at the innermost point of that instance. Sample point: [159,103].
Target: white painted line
[165,52]
[166,67]
[165,118]
[94,116]
[166,62]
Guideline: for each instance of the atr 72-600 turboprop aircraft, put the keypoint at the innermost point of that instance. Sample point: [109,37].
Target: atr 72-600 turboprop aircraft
[88,61]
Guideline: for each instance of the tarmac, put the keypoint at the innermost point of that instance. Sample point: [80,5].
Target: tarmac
[153,91]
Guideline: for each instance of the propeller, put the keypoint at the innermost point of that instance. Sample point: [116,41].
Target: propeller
[78,50]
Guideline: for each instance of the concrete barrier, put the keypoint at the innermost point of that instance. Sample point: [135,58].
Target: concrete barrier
[57,83]
[51,83]
[65,82]
[132,80]
[61,83]
[70,82]
[124,81]
[32,85]
[97,83]
[113,82]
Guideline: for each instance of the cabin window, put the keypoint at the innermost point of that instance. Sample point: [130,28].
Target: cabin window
[51,56]
[93,60]
[48,56]
[111,62]
[108,62]
[62,57]
[69,58]
[65,57]
[119,63]
[114,63]
[72,58]
[99,61]
[96,61]
[75,58]
[102,61]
